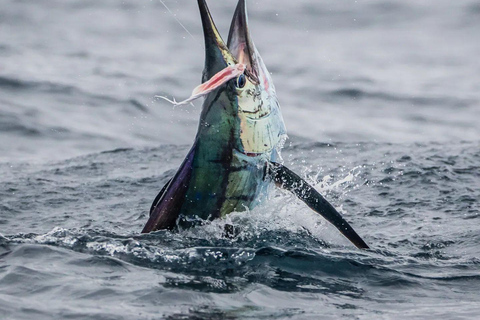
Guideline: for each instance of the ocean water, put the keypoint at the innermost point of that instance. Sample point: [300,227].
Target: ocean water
[382,104]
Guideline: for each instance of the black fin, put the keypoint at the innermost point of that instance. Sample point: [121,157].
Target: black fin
[159,195]
[289,180]
[165,212]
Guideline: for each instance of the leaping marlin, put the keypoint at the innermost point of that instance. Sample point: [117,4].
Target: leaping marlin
[235,157]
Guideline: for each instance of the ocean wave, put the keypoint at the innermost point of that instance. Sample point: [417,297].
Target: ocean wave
[391,193]
[223,259]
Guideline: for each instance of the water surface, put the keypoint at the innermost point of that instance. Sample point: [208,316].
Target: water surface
[381,101]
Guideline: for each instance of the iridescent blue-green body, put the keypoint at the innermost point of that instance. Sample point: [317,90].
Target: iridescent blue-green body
[222,178]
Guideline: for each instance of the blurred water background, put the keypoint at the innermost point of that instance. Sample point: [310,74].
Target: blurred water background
[382,104]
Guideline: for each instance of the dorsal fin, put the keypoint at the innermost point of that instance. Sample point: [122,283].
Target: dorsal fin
[165,212]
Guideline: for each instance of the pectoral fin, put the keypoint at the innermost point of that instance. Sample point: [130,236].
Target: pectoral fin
[289,180]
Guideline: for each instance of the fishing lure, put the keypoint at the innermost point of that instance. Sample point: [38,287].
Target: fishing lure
[219,79]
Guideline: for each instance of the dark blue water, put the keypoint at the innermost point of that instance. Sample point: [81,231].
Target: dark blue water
[382,103]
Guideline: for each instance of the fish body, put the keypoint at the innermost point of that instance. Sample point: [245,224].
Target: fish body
[240,131]
[235,159]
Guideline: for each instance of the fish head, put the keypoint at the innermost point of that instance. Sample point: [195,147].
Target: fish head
[258,127]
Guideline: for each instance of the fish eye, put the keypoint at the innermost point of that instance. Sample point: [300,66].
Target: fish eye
[241,81]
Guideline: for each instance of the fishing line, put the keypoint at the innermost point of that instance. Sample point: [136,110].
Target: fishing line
[176,19]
